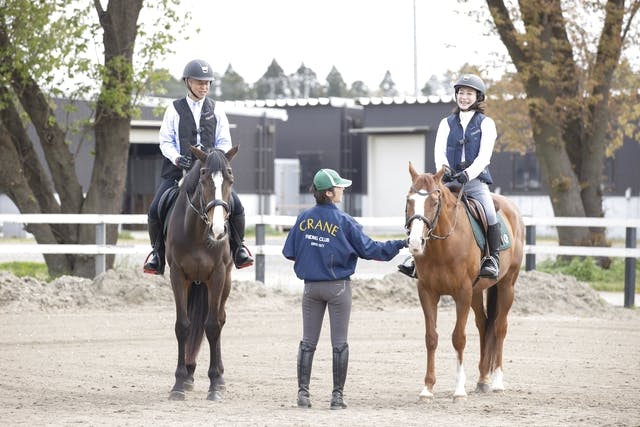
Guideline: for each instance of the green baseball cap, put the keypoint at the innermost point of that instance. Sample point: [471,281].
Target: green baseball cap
[328,178]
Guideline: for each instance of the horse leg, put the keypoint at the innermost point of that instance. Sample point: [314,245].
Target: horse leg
[505,300]
[459,341]
[189,383]
[477,304]
[430,309]
[213,328]
[182,331]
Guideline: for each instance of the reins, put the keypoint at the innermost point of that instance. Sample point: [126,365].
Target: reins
[432,224]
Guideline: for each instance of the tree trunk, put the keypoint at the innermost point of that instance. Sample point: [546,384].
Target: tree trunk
[569,127]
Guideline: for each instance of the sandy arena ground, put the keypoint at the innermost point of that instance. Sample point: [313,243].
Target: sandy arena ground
[103,352]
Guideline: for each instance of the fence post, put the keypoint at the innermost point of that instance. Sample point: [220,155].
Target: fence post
[530,238]
[630,270]
[260,257]
[101,239]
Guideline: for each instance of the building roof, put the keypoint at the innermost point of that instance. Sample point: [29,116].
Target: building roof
[235,108]
[338,102]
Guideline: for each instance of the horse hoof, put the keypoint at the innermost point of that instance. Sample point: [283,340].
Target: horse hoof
[425,395]
[483,388]
[188,385]
[176,395]
[459,399]
[214,396]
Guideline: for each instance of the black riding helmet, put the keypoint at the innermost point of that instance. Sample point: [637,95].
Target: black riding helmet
[472,81]
[198,70]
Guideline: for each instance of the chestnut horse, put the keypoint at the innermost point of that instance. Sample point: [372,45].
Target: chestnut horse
[447,261]
[200,263]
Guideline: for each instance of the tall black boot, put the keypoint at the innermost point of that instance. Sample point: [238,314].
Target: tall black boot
[241,256]
[305,360]
[408,267]
[491,264]
[340,365]
[155,265]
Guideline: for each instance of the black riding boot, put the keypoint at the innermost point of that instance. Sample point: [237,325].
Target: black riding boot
[305,360]
[155,265]
[241,256]
[408,267]
[340,364]
[491,264]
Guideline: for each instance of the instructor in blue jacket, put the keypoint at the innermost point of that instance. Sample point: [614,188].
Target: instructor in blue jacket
[325,244]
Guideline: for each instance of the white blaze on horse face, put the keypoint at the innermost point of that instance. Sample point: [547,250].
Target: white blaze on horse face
[417,225]
[217,222]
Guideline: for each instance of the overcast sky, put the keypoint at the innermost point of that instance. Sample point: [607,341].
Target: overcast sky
[362,38]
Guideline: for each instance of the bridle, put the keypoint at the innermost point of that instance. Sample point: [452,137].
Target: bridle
[431,224]
[202,214]
[212,204]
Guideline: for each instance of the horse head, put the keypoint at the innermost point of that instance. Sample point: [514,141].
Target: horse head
[424,207]
[211,188]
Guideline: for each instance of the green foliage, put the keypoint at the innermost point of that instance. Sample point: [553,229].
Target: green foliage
[37,270]
[587,270]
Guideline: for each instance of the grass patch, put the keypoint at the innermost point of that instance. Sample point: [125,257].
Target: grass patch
[125,235]
[587,270]
[37,270]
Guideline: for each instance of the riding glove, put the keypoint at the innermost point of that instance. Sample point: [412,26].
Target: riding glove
[462,177]
[183,162]
[447,177]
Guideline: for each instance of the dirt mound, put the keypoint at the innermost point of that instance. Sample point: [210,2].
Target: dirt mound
[536,293]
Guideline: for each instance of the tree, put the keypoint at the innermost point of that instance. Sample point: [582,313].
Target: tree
[273,84]
[567,77]
[233,86]
[387,86]
[358,89]
[335,84]
[305,84]
[42,46]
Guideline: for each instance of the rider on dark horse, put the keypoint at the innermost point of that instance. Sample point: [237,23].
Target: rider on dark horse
[193,120]
[464,144]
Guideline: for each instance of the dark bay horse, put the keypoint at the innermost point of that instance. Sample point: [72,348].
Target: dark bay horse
[447,260]
[200,263]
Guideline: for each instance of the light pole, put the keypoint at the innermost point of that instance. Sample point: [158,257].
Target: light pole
[415,53]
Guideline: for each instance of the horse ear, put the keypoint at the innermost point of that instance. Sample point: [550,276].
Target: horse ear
[438,175]
[201,155]
[232,153]
[414,174]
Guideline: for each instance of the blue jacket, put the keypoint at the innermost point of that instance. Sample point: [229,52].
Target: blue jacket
[470,142]
[325,244]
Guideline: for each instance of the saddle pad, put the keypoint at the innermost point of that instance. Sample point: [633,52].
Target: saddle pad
[478,233]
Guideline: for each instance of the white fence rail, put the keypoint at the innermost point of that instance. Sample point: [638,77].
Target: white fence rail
[101,249]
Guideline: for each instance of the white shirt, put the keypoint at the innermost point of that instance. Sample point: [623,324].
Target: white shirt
[170,139]
[487,142]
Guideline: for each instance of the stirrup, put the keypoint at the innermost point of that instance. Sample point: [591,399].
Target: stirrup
[246,262]
[408,267]
[489,268]
[148,268]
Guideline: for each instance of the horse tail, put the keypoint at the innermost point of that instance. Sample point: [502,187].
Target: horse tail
[197,308]
[490,339]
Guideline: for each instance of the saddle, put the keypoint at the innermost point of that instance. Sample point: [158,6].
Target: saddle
[167,202]
[478,219]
